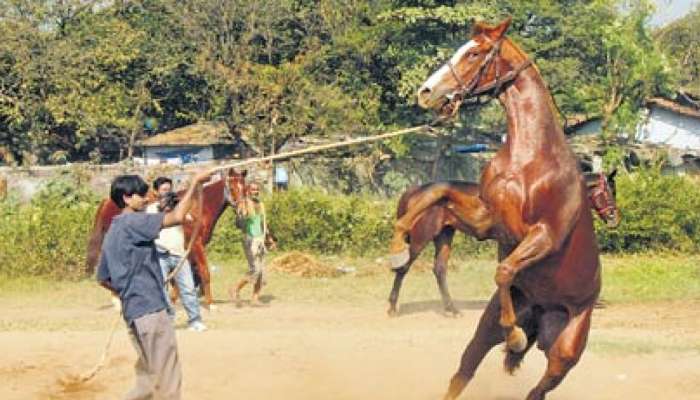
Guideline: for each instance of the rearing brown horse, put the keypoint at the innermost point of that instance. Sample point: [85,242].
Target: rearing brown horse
[216,197]
[534,201]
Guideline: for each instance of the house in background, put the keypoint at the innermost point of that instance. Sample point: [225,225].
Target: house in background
[672,124]
[668,127]
[193,143]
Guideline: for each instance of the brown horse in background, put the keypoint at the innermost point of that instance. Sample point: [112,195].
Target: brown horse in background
[440,221]
[533,200]
[216,197]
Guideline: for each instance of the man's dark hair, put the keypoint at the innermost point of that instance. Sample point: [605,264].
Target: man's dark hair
[161,180]
[126,185]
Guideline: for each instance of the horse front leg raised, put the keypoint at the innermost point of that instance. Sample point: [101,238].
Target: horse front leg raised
[537,244]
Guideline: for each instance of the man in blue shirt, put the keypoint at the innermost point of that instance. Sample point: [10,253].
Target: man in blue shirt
[129,268]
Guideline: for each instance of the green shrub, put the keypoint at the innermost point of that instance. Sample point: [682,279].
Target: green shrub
[658,212]
[309,219]
[49,235]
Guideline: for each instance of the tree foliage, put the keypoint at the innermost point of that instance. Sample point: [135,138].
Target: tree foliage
[679,41]
[80,78]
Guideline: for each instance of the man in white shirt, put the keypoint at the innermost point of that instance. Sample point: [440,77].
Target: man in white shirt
[171,249]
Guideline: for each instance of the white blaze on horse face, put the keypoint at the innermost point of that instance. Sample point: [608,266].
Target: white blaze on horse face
[439,75]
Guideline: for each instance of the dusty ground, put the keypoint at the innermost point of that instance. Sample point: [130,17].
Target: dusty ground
[308,350]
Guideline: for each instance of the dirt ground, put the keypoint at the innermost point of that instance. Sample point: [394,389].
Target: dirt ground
[306,350]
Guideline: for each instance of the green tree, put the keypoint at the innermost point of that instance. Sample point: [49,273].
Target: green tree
[679,41]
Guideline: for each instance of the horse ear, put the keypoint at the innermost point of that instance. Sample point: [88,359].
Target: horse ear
[244,173]
[612,174]
[480,27]
[500,30]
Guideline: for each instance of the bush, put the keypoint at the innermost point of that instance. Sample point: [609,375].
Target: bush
[308,219]
[658,212]
[49,235]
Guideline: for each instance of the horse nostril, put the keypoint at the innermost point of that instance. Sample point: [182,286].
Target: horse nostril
[423,95]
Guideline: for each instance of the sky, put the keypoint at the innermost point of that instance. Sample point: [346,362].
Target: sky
[669,10]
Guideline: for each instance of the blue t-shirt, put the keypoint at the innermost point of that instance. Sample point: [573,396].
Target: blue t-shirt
[129,263]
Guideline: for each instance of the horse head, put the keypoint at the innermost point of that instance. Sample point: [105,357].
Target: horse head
[602,192]
[235,187]
[484,65]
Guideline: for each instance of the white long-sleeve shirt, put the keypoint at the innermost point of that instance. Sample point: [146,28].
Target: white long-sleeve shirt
[171,239]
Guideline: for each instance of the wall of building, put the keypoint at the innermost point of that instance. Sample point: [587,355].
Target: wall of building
[667,127]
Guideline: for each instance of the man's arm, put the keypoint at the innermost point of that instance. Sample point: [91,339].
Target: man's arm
[178,214]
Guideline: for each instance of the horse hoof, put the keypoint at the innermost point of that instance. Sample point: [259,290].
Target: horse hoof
[392,312]
[212,307]
[399,259]
[453,312]
[516,340]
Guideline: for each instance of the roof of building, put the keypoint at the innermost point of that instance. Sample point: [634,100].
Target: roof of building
[199,134]
[674,106]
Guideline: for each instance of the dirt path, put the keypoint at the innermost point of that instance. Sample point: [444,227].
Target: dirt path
[310,351]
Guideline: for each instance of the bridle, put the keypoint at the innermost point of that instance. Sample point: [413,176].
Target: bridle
[228,194]
[600,197]
[472,89]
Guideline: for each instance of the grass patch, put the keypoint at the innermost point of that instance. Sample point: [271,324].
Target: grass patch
[651,277]
[626,279]
[613,346]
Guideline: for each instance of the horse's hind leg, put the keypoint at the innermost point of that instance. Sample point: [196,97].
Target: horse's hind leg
[418,243]
[200,260]
[443,245]
[487,335]
[399,274]
[563,350]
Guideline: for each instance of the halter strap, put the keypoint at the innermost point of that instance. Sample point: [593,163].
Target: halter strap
[472,90]
[601,191]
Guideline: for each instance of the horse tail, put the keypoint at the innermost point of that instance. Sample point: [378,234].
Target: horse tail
[103,218]
[513,360]
[403,200]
